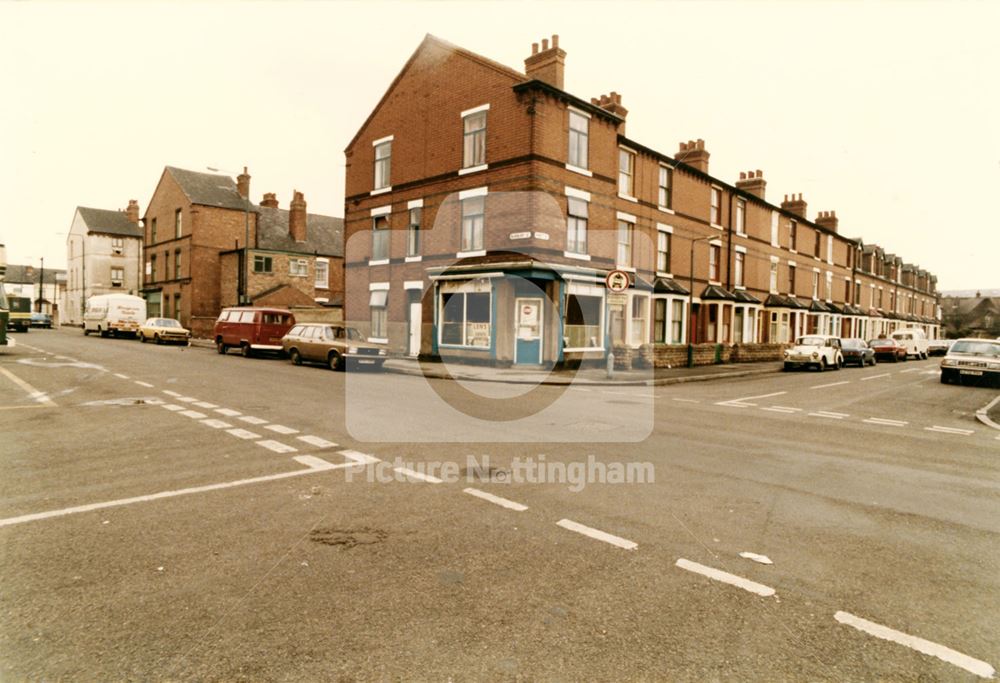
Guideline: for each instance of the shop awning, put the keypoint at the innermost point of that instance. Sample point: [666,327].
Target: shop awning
[667,285]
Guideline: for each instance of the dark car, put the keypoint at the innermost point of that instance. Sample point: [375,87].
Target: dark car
[858,352]
[41,320]
[888,349]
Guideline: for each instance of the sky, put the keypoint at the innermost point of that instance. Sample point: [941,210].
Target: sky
[886,112]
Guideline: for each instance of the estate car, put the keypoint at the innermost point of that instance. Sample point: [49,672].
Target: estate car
[332,344]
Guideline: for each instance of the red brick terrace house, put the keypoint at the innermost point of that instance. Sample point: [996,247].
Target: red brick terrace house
[197,221]
[486,232]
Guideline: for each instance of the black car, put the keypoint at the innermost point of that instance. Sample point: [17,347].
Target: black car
[858,352]
[41,320]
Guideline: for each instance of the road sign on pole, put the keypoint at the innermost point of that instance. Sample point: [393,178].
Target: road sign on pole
[618,281]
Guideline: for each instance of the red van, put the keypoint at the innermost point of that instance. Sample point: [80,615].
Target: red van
[252,329]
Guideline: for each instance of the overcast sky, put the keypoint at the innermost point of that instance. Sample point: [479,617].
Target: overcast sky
[887,112]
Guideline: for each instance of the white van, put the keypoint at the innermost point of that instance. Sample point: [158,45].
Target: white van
[114,314]
[914,339]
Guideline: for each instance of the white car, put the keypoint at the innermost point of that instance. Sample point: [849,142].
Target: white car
[972,360]
[914,340]
[815,350]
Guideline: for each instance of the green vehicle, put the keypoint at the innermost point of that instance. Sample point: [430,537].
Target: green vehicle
[19,308]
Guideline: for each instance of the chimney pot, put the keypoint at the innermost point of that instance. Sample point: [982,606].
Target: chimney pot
[132,212]
[547,64]
[555,40]
[243,183]
[545,44]
[743,175]
[534,48]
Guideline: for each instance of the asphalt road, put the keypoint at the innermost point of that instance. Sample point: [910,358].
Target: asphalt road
[170,514]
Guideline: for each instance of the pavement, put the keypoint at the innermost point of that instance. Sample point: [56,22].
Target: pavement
[167,513]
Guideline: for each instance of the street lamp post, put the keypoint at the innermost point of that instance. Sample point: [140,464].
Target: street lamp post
[690,350]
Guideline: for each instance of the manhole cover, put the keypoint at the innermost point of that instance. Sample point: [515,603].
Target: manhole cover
[348,538]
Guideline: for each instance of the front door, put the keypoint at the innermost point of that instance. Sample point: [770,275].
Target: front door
[528,331]
[416,314]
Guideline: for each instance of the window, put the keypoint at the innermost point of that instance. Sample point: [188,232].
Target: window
[857,294]
[738,324]
[663,252]
[738,270]
[818,243]
[741,215]
[582,324]
[261,264]
[177,306]
[473,220]
[380,238]
[676,321]
[152,268]
[639,306]
[177,264]
[413,232]
[378,304]
[666,182]
[815,289]
[117,246]
[117,277]
[626,169]
[714,251]
[321,278]
[773,285]
[847,291]
[715,213]
[465,319]
[166,265]
[383,160]
[177,223]
[793,233]
[659,321]
[829,286]
[474,140]
[298,267]
[579,133]
[623,257]
[152,231]
[576,225]
[791,279]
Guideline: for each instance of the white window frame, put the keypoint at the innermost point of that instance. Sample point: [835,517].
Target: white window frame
[575,164]
[322,265]
[712,246]
[582,289]
[573,226]
[739,267]
[474,165]
[382,166]
[472,246]
[298,267]
[669,171]
[629,222]
[381,259]
[464,287]
[628,174]
[668,318]
[741,216]
[715,191]
[667,230]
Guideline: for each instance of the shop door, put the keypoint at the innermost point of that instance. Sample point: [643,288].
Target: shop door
[528,331]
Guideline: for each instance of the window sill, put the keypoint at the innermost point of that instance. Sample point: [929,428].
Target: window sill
[740,287]
[716,226]
[378,262]
[628,198]
[740,234]
[580,170]
[463,346]
[473,169]
[627,269]
[667,209]
[413,259]
[380,191]
[578,257]
[717,283]
[660,273]
[471,254]
[378,340]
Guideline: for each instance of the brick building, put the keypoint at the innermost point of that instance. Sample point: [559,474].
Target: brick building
[197,230]
[487,232]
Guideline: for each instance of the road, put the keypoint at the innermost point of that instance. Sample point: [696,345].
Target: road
[170,514]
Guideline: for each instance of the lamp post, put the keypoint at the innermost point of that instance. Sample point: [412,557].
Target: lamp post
[243,296]
[690,353]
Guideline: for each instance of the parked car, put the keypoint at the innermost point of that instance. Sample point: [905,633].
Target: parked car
[972,360]
[114,314]
[252,329]
[888,350]
[858,352]
[19,318]
[41,320]
[164,331]
[938,347]
[915,341]
[337,346]
[819,351]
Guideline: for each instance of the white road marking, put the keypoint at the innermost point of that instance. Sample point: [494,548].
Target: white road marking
[884,374]
[34,393]
[253,420]
[172,393]
[144,384]
[945,654]
[359,458]
[885,422]
[413,474]
[831,384]
[502,502]
[830,413]
[121,376]
[281,429]
[776,409]
[228,412]
[737,405]
[204,404]
[316,441]
[171,406]
[597,534]
[216,424]
[911,370]
[187,399]
[687,400]
[950,430]
[794,410]
[276,446]
[742,402]
[763,559]
[829,417]
[242,434]
[194,414]
[726,577]
[312,463]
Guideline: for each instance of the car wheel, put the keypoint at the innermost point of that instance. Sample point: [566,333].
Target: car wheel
[786,367]
[335,361]
[220,347]
[295,357]
[245,350]
[822,364]
[157,339]
[142,337]
[86,332]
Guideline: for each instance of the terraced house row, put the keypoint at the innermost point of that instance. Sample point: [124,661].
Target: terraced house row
[484,208]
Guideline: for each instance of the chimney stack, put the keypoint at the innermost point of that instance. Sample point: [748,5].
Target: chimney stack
[795,205]
[297,217]
[610,103]
[132,212]
[547,64]
[694,154]
[270,200]
[828,220]
[752,182]
[243,183]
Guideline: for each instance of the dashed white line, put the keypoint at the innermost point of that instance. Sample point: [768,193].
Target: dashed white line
[794,410]
[950,430]
[358,457]
[413,474]
[884,374]
[911,370]
[171,393]
[831,384]
[762,559]
[945,654]
[886,422]
[281,429]
[497,500]
[276,446]
[242,434]
[829,415]
[187,399]
[726,577]
[194,414]
[617,541]
[144,384]
[228,412]
[216,424]
[253,420]
[205,404]
[171,406]
[686,400]
[776,409]
[121,376]
[316,441]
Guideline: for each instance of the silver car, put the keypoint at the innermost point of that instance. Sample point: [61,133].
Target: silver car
[972,360]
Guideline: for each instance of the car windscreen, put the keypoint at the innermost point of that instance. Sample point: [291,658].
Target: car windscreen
[811,341]
[168,322]
[977,348]
[853,344]
[882,342]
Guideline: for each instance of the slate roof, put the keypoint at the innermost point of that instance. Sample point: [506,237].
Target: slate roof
[669,285]
[716,292]
[209,189]
[324,234]
[745,297]
[108,222]
[22,275]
